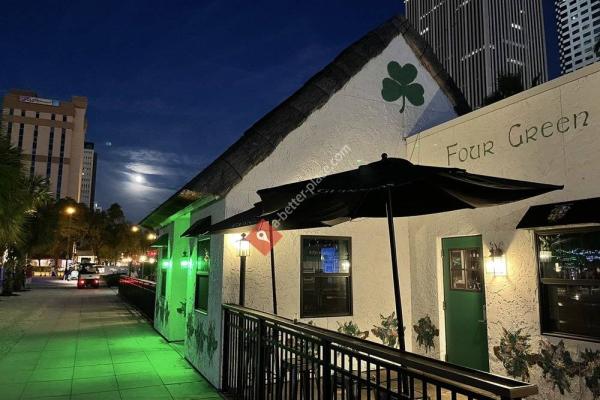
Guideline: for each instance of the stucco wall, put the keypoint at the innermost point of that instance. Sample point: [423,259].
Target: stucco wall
[356,117]
[568,158]
[203,330]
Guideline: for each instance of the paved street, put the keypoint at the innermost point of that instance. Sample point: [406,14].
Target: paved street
[58,342]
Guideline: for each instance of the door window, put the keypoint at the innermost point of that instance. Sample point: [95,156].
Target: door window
[466,269]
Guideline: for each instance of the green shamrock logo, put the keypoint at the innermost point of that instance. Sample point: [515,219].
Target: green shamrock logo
[399,85]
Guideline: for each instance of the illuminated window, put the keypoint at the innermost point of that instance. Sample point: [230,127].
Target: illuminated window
[569,270]
[326,276]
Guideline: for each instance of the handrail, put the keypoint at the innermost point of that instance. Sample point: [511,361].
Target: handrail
[458,375]
[142,283]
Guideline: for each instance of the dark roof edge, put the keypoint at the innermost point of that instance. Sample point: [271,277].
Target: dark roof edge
[261,139]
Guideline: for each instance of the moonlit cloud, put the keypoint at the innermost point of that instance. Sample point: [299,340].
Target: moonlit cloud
[140,179]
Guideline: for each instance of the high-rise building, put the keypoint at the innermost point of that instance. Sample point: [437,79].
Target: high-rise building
[50,134]
[476,40]
[88,175]
[578,29]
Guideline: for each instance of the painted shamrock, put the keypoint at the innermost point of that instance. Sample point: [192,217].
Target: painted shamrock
[400,85]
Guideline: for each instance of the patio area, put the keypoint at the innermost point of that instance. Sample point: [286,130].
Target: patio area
[58,342]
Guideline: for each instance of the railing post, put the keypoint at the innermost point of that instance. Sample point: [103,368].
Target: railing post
[262,352]
[327,384]
[225,360]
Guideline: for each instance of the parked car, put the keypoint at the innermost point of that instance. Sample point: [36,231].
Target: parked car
[88,276]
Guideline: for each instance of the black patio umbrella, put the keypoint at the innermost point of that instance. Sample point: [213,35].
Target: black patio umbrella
[250,218]
[394,187]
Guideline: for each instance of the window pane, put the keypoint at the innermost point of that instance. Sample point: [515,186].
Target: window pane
[326,280]
[204,255]
[201,302]
[571,309]
[572,255]
[163,283]
[466,269]
[569,264]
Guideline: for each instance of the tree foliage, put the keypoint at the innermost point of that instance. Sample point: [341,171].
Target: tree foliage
[508,85]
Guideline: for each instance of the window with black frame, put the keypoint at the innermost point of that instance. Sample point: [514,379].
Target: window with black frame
[569,270]
[326,276]
[202,276]
[163,282]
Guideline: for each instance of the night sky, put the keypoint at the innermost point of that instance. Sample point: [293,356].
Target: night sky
[172,84]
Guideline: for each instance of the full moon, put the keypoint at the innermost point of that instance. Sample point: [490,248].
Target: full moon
[138,178]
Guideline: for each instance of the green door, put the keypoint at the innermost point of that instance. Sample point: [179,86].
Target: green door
[464,302]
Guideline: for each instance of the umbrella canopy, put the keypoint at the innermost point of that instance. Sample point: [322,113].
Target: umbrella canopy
[246,220]
[415,189]
[393,187]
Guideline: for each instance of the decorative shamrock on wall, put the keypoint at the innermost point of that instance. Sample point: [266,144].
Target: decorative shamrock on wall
[400,85]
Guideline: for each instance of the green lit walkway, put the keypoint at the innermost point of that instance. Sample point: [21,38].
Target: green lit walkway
[58,342]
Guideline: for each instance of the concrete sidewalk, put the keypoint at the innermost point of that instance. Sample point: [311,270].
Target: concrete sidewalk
[60,342]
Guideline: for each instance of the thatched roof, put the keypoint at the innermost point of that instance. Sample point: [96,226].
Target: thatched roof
[259,141]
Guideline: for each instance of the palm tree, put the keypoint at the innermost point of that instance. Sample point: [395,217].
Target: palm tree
[508,85]
[12,194]
[20,197]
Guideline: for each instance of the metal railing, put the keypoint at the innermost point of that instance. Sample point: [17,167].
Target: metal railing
[140,293]
[269,357]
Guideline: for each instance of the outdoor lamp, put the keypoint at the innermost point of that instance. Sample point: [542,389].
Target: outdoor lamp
[151,236]
[496,262]
[143,258]
[70,210]
[152,260]
[135,229]
[243,252]
[243,246]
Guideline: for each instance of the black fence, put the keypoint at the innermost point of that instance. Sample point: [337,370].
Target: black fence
[268,357]
[140,293]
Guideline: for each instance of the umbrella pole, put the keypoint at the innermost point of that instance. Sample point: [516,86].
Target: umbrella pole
[274,288]
[397,297]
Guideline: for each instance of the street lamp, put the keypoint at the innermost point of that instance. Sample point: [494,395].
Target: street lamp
[70,210]
[243,252]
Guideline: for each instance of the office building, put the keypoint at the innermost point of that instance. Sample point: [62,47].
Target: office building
[578,29]
[51,136]
[88,175]
[479,39]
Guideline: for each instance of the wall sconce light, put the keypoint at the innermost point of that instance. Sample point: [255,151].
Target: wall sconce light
[545,255]
[185,261]
[243,252]
[243,246]
[496,262]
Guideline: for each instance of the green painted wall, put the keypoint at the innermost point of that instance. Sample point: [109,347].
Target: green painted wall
[170,307]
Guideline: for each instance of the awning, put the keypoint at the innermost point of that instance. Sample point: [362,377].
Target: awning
[198,228]
[162,241]
[575,212]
